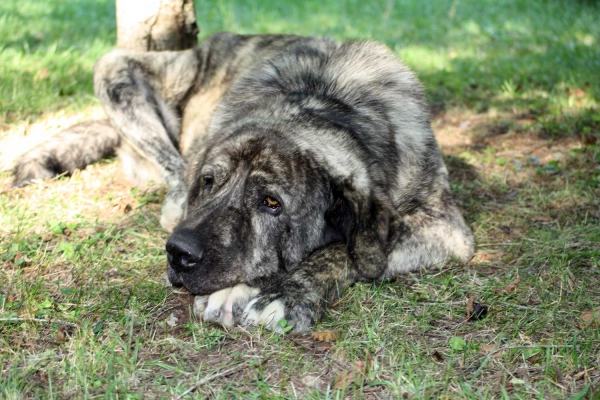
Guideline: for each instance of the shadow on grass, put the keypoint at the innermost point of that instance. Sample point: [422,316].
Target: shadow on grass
[472,54]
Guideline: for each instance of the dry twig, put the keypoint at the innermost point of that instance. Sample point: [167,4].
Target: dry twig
[484,360]
[209,378]
[41,320]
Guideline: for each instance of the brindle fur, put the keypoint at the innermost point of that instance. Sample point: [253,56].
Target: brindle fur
[338,133]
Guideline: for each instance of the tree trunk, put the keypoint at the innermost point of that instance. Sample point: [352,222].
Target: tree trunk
[155,25]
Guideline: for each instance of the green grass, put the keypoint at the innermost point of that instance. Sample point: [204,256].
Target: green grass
[84,309]
[48,50]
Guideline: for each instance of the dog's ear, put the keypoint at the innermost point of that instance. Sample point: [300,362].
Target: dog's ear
[364,220]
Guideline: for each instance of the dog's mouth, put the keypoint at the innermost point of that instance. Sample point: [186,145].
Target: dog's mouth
[179,285]
[194,284]
[174,277]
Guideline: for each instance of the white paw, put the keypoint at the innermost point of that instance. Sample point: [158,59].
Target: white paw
[173,211]
[225,306]
[268,316]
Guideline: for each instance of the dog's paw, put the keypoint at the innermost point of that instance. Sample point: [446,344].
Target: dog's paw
[226,306]
[269,315]
[173,210]
[270,309]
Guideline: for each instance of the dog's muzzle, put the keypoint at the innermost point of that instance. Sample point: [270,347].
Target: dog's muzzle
[184,253]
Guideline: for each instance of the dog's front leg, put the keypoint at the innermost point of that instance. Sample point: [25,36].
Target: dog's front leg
[140,93]
[301,296]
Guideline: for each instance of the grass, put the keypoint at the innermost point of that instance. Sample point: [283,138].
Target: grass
[84,309]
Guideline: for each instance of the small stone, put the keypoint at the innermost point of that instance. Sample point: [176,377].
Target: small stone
[172,321]
[479,312]
[311,381]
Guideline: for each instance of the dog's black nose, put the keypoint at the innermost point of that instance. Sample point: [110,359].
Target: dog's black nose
[184,251]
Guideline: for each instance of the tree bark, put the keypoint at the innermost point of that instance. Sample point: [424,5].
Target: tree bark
[156,25]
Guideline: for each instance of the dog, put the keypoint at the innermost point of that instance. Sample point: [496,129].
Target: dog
[295,167]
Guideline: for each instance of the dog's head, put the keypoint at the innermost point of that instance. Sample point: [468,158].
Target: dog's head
[258,206]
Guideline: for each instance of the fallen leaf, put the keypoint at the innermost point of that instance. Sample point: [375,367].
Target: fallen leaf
[40,375]
[577,92]
[559,375]
[10,298]
[470,305]
[355,375]
[512,286]
[324,336]
[489,348]
[591,318]
[438,357]
[323,347]
[536,359]
[482,255]
[42,74]
[583,373]
[61,334]
[359,366]
[344,380]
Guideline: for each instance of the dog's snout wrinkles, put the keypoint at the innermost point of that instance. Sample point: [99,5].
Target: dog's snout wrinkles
[184,251]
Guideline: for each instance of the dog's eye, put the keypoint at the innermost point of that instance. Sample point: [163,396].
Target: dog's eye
[271,204]
[208,183]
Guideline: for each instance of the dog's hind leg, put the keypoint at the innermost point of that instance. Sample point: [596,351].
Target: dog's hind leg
[434,233]
[141,94]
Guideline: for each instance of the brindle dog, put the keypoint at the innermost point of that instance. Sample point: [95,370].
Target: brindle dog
[295,167]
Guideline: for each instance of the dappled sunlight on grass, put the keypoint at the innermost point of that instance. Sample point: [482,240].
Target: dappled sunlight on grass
[472,47]
[47,51]
[428,60]
[466,53]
